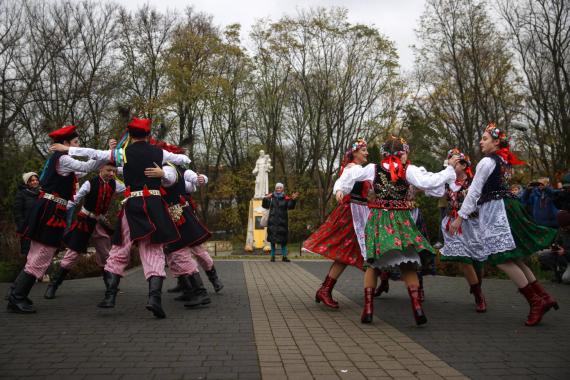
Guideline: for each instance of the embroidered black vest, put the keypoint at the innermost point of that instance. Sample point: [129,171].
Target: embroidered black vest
[390,195]
[177,191]
[56,184]
[356,195]
[99,198]
[497,185]
[140,156]
[455,198]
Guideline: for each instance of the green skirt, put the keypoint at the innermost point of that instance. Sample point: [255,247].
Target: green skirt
[529,237]
[392,238]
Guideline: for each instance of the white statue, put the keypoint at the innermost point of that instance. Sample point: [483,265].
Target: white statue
[262,168]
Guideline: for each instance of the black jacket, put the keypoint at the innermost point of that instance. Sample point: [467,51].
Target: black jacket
[278,223]
[561,200]
[25,198]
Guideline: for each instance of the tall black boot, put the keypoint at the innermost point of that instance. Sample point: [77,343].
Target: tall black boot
[178,288]
[200,293]
[55,283]
[188,293]
[213,277]
[112,280]
[18,299]
[154,303]
[106,280]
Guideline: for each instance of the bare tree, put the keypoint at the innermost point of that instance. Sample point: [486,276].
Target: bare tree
[540,35]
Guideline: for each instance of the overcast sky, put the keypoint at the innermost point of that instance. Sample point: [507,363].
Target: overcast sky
[396,19]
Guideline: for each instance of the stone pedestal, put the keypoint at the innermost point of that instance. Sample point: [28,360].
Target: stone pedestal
[256,234]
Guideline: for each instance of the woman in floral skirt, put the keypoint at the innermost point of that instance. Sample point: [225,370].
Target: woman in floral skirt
[341,237]
[392,238]
[507,232]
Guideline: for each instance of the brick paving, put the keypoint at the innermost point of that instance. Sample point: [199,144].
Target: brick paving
[298,339]
[265,324]
[71,338]
[494,345]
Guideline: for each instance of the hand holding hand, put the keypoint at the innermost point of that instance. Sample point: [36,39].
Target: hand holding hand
[453,161]
[295,195]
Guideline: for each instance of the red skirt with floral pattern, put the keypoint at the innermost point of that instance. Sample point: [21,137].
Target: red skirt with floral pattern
[336,239]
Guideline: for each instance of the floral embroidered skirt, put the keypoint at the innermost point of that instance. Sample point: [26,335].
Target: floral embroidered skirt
[392,238]
[509,233]
[336,238]
[464,247]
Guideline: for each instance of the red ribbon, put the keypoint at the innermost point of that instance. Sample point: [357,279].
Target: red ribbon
[509,157]
[395,173]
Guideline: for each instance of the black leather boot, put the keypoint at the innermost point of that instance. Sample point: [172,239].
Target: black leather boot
[112,280]
[154,303]
[55,283]
[18,300]
[213,277]
[178,288]
[199,291]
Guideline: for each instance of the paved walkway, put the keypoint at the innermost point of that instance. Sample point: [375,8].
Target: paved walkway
[265,324]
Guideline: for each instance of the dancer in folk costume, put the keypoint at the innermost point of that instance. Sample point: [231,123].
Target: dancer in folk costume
[341,237]
[507,232]
[45,224]
[199,252]
[144,218]
[392,238]
[427,259]
[91,224]
[465,247]
[192,232]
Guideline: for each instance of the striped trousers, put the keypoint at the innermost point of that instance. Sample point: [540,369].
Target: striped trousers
[202,256]
[102,242]
[181,262]
[152,256]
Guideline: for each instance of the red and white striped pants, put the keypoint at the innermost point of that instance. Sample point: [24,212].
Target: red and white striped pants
[181,262]
[203,257]
[152,256]
[38,259]
[102,242]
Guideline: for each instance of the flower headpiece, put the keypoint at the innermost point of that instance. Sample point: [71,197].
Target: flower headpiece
[389,152]
[462,156]
[348,157]
[359,143]
[496,132]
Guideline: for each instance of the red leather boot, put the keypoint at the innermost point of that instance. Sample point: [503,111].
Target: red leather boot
[537,305]
[549,301]
[368,311]
[324,294]
[419,315]
[384,286]
[480,304]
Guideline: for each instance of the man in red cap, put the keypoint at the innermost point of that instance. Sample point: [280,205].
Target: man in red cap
[144,218]
[46,221]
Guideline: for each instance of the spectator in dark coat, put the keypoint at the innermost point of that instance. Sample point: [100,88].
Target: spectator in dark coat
[538,197]
[279,205]
[27,194]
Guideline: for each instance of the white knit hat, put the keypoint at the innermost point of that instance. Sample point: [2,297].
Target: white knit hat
[279,184]
[26,176]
